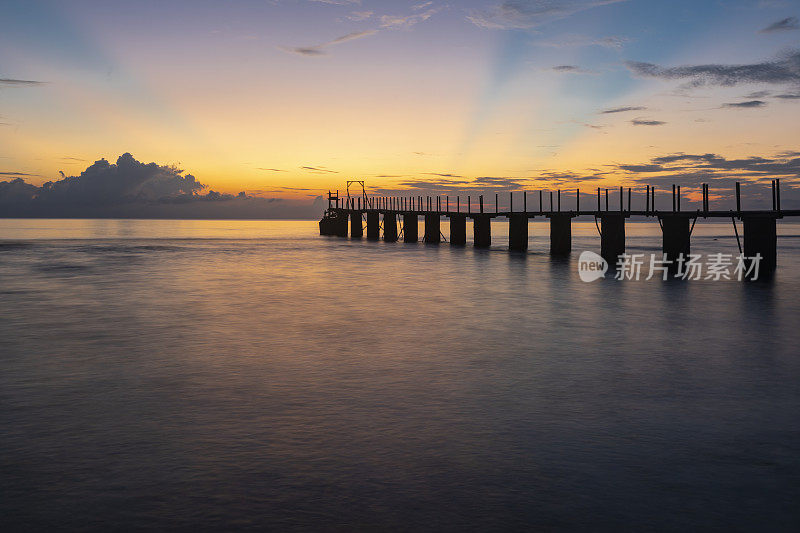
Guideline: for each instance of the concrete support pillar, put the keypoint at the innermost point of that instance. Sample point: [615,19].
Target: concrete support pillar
[761,237]
[432,231]
[481,230]
[341,223]
[356,229]
[373,226]
[410,228]
[560,234]
[675,236]
[518,232]
[612,236]
[390,227]
[458,229]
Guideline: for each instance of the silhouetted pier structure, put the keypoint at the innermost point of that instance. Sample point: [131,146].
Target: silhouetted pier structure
[399,216]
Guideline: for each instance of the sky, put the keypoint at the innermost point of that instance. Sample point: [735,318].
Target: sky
[280,100]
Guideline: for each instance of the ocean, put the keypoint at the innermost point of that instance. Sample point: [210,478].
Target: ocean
[234,375]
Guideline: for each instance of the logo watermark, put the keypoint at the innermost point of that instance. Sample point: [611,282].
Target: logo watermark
[591,266]
[710,267]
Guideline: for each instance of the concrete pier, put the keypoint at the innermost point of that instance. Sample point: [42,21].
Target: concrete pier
[373,225]
[458,229]
[410,228]
[675,232]
[560,233]
[518,232]
[390,227]
[760,225]
[481,230]
[761,237]
[356,229]
[432,228]
[612,236]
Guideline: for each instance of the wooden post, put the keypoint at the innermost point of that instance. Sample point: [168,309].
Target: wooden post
[673,198]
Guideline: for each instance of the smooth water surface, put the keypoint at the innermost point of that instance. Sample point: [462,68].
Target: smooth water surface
[230,375]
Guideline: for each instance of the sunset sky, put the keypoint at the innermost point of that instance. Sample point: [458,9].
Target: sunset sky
[287,98]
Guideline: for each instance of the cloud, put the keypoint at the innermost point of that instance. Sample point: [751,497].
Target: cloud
[443,175]
[318,50]
[10,82]
[713,166]
[525,14]
[397,21]
[570,69]
[337,2]
[358,16]
[795,96]
[271,169]
[787,24]
[132,189]
[622,109]
[319,170]
[784,70]
[569,41]
[747,104]
[643,122]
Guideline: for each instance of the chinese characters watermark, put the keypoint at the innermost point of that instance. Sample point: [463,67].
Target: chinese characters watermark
[711,267]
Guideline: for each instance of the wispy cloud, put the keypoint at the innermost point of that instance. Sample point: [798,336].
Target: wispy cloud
[399,21]
[319,49]
[570,69]
[524,14]
[645,122]
[784,70]
[271,169]
[337,2]
[11,82]
[570,41]
[319,170]
[747,104]
[622,109]
[16,174]
[358,16]
[787,24]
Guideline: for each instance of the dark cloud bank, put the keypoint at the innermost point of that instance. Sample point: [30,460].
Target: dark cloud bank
[131,189]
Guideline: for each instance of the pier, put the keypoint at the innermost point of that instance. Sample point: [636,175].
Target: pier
[396,216]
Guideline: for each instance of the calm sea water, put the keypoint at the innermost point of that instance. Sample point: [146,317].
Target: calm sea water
[231,375]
